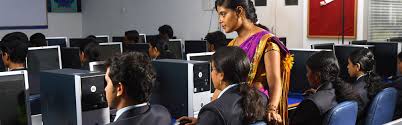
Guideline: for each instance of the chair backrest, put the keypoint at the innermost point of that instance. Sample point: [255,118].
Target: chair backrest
[344,113]
[382,107]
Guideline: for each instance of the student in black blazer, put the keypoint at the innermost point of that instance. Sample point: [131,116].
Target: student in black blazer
[238,103]
[367,84]
[14,52]
[129,80]
[329,90]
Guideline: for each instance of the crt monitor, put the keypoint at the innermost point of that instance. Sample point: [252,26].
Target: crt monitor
[342,53]
[118,39]
[195,46]
[385,54]
[14,103]
[102,38]
[41,58]
[110,49]
[97,66]
[53,41]
[70,57]
[176,47]
[150,37]
[78,42]
[205,56]
[136,47]
[359,42]
[323,46]
[298,79]
[142,38]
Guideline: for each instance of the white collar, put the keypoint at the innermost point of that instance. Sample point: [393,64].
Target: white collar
[224,90]
[121,111]
[360,76]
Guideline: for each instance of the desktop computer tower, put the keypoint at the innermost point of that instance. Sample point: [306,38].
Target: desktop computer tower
[73,97]
[182,86]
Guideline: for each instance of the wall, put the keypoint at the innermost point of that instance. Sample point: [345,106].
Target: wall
[114,17]
[59,24]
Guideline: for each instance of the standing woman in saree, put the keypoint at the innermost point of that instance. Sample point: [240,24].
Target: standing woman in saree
[271,60]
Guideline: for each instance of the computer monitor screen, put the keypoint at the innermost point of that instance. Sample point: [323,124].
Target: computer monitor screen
[323,46]
[142,38]
[41,58]
[70,57]
[53,41]
[98,66]
[137,47]
[298,79]
[150,37]
[109,50]
[118,39]
[206,56]
[14,103]
[102,38]
[385,54]
[78,42]
[195,46]
[176,47]
[342,53]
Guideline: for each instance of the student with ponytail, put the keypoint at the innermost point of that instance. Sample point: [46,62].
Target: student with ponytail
[270,59]
[238,103]
[361,65]
[323,75]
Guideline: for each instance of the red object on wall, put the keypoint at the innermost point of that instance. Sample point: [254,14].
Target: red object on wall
[326,21]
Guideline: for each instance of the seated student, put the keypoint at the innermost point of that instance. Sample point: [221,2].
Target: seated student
[158,49]
[91,37]
[323,75]
[238,103]
[166,32]
[361,66]
[14,51]
[129,79]
[216,40]
[37,39]
[88,53]
[131,36]
[397,83]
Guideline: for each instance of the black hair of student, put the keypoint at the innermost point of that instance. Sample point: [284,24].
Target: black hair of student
[217,38]
[135,72]
[400,56]
[91,37]
[166,29]
[15,35]
[17,49]
[37,39]
[162,47]
[234,64]
[325,65]
[248,6]
[367,62]
[92,52]
[132,35]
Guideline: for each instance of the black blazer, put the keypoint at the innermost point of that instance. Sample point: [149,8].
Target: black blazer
[146,115]
[359,86]
[312,110]
[226,110]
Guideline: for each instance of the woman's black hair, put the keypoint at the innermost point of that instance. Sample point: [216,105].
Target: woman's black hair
[366,59]
[248,6]
[234,64]
[162,47]
[325,65]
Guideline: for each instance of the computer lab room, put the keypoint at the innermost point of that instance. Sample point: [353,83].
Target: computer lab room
[200,62]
